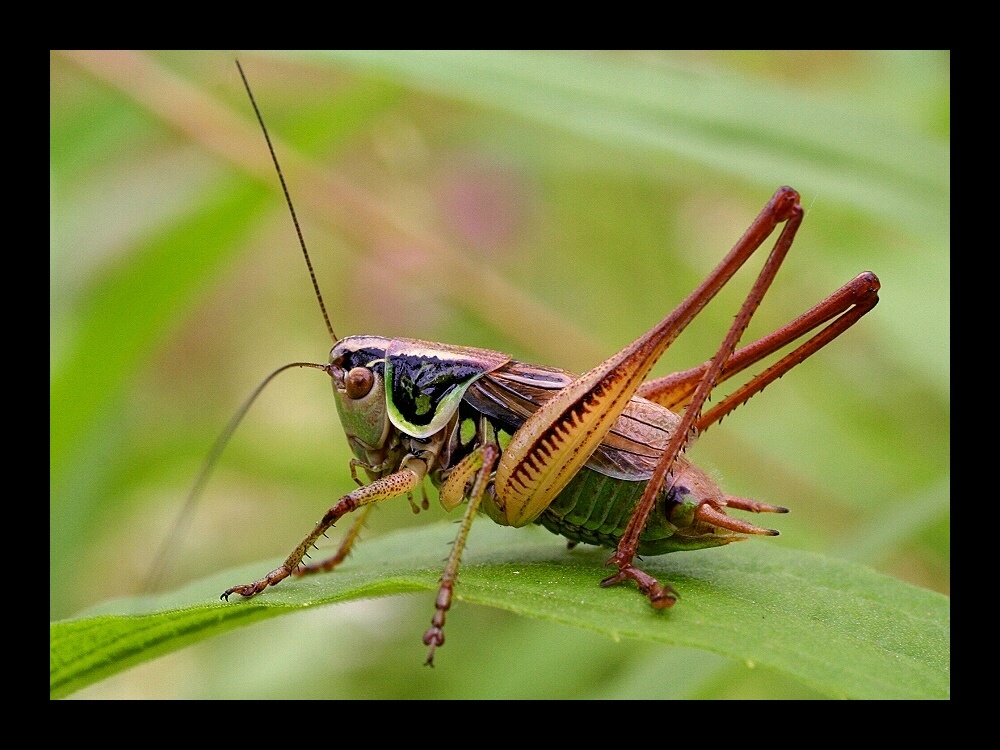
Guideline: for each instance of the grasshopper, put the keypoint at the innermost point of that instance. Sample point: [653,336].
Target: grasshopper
[597,458]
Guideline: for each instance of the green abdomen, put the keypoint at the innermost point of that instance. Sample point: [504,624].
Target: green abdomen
[595,509]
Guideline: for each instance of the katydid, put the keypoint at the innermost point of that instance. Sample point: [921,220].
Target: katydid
[598,458]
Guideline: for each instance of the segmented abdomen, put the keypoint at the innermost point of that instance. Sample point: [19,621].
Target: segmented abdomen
[595,509]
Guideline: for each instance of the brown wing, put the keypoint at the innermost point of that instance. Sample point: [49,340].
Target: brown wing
[514,391]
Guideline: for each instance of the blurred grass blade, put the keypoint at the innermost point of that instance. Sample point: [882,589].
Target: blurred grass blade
[114,335]
[891,530]
[737,126]
[842,629]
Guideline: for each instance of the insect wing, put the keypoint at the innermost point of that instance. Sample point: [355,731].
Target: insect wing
[513,392]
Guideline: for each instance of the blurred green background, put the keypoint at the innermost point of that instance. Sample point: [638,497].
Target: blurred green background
[550,205]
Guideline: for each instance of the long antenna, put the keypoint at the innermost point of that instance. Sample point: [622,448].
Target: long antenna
[158,567]
[288,200]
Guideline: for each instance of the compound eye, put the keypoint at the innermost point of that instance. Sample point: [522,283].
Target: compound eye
[359,382]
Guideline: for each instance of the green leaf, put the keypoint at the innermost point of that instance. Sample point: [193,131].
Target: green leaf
[842,629]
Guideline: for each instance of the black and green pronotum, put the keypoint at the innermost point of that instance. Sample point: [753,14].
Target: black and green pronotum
[598,458]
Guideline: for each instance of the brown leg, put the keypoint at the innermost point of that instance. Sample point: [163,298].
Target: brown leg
[784,206]
[860,295]
[394,485]
[555,441]
[850,303]
[478,464]
[342,551]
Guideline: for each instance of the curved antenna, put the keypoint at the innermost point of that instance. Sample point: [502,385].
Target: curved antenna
[288,200]
[159,565]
